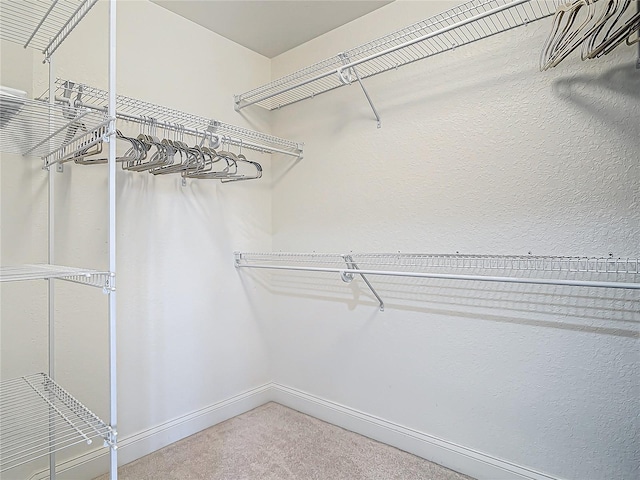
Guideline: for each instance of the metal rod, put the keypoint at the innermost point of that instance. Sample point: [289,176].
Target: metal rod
[60,40]
[44,17]
[113,385]
[366,94]
[51,289]
[445,276]
[351,264]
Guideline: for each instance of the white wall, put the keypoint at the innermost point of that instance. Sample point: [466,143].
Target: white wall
[479,152]
[190,333]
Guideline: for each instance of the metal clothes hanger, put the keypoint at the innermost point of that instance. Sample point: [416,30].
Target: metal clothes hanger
[207,169]
[158,158]
[595,47]
[241,177]
[209,155]
[240,158]
[623,34]
[613,7]
[564,38]
[130,155]
[608,11]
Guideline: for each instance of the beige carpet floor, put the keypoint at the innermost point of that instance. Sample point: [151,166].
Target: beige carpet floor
[273,442]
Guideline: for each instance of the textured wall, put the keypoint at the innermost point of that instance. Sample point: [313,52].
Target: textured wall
[479,152]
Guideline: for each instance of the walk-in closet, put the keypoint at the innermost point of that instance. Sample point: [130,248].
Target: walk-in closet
[336,240]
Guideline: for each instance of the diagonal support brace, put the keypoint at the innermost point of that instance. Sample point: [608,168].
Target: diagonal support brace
[346,78]
[347,277]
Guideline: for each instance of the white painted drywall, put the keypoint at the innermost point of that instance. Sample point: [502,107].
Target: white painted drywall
[190,331]
[478,152]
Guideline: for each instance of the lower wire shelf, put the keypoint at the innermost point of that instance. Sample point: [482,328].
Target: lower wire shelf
[39,417]
[604,272]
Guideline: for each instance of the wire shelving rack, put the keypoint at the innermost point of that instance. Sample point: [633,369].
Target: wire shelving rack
[40,417]
[599,272]
[31,127]
[34,127]
[168,119]
[41,25]
[83,276]
[462,25]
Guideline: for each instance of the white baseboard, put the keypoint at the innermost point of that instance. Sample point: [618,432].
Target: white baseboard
[135,446]
[456,457]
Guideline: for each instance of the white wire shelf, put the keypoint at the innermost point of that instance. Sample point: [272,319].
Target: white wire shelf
[169,119]
[462,25]
[33,127]
[104,280]
[42,25]
[605,272]
[40,417]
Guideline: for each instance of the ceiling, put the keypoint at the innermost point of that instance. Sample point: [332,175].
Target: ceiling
[271,27]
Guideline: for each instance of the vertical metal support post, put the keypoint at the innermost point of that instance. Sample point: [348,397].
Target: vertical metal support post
[51,260]
[113,387]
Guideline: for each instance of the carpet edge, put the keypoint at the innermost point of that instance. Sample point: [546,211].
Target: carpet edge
[448,454]
[456,457]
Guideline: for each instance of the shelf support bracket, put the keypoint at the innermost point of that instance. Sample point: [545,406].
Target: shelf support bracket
[111,439]
[347,277]
[347,80]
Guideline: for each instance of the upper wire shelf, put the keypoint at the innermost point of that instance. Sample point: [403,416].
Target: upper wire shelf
[464,24]
[39,417]
[34,127]
[440,262]
[83,276]
[169,119]
[42,25]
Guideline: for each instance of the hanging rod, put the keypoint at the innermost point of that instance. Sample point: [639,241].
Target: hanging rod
[451,267]
[43,26]
[462,25]
[169,119]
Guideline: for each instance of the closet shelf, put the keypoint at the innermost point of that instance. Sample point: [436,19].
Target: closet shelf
[168,119]
[41,25]
[464,24]
[34,127]
[40,417]
[83,276]
[571,271]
